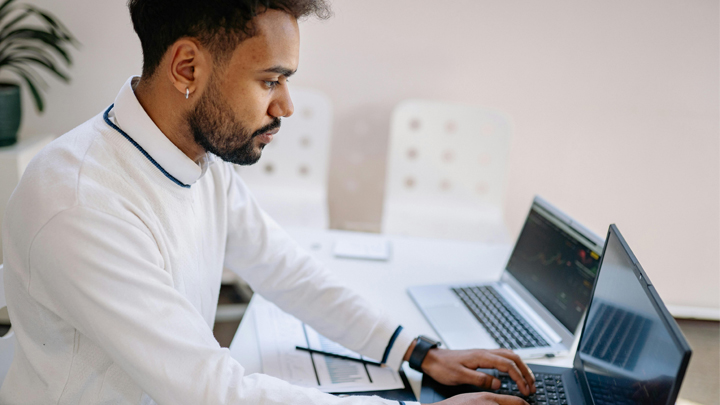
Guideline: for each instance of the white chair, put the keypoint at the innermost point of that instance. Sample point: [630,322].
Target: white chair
[7,342]
[446,171]
[290,180]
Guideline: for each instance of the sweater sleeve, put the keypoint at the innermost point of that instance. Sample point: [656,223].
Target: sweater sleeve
[275,266]
[105,277]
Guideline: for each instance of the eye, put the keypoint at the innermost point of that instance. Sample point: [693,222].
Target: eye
[270,84]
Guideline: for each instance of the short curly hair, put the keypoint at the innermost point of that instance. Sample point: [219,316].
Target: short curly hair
[219,25]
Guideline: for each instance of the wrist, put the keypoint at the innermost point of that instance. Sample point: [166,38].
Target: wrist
[432,357]
[418,351]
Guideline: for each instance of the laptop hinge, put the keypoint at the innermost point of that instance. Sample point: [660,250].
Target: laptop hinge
[531,315]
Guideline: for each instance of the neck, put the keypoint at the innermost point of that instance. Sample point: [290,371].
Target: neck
[168,110]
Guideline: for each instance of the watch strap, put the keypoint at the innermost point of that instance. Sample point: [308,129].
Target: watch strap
[423,344]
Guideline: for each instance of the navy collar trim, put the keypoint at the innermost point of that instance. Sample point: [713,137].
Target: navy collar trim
[147,155]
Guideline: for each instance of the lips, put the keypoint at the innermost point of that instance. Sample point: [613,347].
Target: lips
[268,136]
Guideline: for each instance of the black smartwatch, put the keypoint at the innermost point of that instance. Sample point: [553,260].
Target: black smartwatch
[423,344]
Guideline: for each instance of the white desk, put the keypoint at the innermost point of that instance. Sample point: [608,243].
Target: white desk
[413,261]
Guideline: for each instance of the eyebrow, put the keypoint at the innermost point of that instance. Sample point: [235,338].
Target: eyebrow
[281,70]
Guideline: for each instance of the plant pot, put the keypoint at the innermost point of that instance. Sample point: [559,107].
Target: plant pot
[10,113]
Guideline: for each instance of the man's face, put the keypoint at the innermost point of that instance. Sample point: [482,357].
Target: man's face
[240,109]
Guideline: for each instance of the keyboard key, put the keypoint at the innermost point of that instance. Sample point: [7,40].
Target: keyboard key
[541,397]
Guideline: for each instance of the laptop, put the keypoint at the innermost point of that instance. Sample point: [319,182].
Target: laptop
[536,307]
[631,350]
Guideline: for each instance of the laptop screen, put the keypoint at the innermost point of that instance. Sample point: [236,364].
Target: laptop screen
[556,264]
[631,350]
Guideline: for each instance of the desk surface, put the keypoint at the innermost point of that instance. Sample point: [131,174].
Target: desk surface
[413,261]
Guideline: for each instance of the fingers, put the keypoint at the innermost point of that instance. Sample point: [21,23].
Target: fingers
[509,366]
[454,367]
[524,369]
[482,398]
[505,399]
[480,379]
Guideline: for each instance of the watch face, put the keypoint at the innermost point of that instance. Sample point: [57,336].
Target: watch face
[429,340]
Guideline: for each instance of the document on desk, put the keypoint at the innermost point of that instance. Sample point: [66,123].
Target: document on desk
[279,333]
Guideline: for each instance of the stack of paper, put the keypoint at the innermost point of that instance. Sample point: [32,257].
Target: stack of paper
[279,334]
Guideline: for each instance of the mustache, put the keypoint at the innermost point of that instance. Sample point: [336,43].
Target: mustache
[267,128]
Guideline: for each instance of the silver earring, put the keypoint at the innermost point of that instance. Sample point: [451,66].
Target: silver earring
[187,93]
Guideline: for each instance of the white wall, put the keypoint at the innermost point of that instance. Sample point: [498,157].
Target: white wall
[615,106]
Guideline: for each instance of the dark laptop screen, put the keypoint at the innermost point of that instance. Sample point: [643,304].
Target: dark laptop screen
[630,350]
[556,264]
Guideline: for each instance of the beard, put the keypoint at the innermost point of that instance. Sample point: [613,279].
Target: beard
[215,128]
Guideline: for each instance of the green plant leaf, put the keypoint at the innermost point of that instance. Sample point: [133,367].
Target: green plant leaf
[55,27]
[39,60]
[37,97]
[31,34]
[14,21]
[25,50]
[5,4]
[37,79]
[55,23]
[6,9]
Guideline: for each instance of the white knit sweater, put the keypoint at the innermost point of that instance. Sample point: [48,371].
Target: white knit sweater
[114,244]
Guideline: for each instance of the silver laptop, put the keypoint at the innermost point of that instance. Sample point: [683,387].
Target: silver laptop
[536,307]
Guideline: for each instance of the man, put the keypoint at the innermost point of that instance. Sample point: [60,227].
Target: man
[118,233]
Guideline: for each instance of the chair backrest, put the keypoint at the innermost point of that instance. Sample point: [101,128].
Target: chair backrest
[446,166]
[7,342]
[290,180]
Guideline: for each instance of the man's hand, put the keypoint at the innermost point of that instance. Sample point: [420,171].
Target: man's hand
[455,367]
[482,398]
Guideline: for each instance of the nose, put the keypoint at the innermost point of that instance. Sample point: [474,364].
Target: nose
[282,105]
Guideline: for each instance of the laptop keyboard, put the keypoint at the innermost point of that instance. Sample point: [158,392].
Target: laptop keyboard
[503,323]
[549,389]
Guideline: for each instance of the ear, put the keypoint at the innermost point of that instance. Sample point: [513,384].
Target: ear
[189,68]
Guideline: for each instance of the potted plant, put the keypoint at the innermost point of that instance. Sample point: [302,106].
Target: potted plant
[23,48]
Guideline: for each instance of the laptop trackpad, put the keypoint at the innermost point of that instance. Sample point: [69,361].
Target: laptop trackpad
[458,328]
